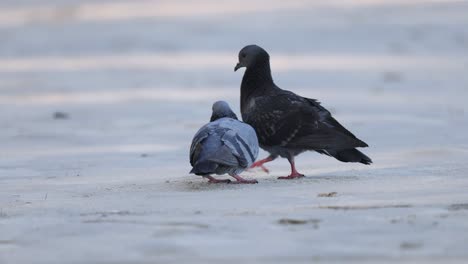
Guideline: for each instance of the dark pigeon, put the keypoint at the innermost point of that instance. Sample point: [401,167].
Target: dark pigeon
[288,124]
[225,145]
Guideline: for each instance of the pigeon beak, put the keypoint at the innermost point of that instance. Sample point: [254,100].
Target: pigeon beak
[238,65]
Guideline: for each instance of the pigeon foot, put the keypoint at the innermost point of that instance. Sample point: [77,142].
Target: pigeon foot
[294,174]
[260,164]
[264,169]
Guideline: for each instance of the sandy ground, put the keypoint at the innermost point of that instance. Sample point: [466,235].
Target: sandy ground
[106,179]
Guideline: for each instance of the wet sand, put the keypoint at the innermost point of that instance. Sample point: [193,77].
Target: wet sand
[99,101]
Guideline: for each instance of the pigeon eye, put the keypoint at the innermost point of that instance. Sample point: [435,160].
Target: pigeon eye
[243,55]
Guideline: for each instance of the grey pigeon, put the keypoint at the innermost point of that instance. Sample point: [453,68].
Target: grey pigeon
[225,145]
[288,124]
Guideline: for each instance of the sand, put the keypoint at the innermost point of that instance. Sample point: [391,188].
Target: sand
[99,101]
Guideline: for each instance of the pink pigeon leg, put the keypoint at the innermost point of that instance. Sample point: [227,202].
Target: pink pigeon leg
[261,162]
[294,174]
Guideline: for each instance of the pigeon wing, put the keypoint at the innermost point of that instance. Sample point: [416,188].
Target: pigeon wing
[288,120]
[327,118]
[196,146]
[232,140]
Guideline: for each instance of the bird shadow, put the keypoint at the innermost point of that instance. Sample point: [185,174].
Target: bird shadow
[200,185]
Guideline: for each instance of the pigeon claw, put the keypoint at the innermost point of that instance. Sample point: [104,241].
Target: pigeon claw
[260,164]
[262,167]
[265,169]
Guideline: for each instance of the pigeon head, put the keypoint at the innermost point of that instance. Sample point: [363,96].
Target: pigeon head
[252,55]
[221,109]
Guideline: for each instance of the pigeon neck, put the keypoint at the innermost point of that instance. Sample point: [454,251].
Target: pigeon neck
[215,116]
[258,75]
[257,79]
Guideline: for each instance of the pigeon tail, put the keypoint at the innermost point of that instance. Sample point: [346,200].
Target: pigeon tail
[350,155]
[205,167]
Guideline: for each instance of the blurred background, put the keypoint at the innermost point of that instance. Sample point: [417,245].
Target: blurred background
[99,101]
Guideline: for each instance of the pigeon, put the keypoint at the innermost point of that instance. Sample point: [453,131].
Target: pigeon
[288,124]
[224,145]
